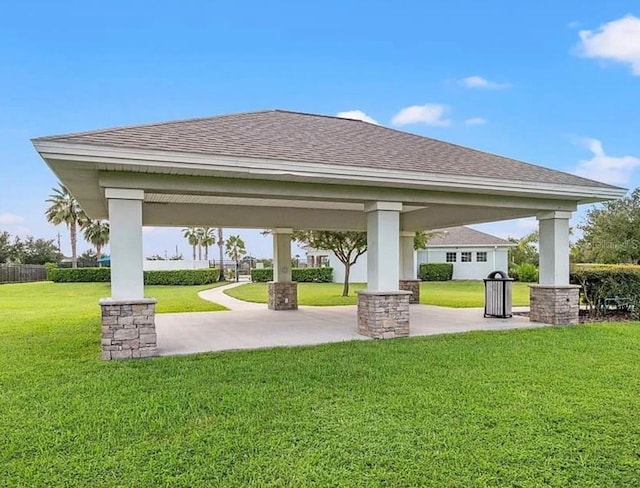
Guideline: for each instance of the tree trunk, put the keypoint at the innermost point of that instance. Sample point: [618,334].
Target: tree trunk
[206,253]
[194,252]
[98,255]
[345,289]
[199,252]
[73,231]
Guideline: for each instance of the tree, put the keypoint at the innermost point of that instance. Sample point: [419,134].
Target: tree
[36,251]
[220,247]
[96,232]
[65,209]
[235,249]
[611,232]
[347,246]
[6,248]
[191,234]
[525,250]
[207,239]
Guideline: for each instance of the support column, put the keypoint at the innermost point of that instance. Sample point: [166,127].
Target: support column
[553,300]
[283,293]
[408,280]
[383,310]
[128,319]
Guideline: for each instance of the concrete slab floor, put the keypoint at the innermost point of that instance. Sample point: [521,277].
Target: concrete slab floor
[257,327]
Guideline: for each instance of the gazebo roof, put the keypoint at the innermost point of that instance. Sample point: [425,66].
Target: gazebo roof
[285,136]
[280,169]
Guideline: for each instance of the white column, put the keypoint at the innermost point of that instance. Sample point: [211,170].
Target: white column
[282,255]
[383,245]
[554,248]
[407,256]
[125,242]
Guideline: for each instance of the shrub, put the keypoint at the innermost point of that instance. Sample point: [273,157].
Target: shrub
[182,277]
[436,271]
[79,275]
[527,273]
[103,275]
[261,275]
[312,275]
[301,275]
[601,282]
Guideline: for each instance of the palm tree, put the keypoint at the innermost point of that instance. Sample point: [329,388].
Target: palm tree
[235,250]
[191,234]
[207,239]
[220,244]
[96,232]
[65,209]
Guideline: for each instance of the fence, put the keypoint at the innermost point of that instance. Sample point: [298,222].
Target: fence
[22,273]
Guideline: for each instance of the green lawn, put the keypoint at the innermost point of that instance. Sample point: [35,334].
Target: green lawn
[545,407]
[443,293]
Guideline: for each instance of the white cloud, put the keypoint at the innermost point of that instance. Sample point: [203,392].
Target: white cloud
[608,169]
[618,40]
[357,115]
[10,219]
[147,230]
[480,82]
[428,114]
[475,121]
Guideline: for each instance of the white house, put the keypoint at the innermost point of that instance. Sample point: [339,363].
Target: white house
[474,255]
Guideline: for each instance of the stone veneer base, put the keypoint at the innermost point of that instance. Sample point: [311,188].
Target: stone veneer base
[383,314]
[554,304]
[283,295]
[414,287]
[128,328]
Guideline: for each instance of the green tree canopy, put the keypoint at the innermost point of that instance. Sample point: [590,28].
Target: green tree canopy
[611,232]
[347,246]
[96,232]
[235,249]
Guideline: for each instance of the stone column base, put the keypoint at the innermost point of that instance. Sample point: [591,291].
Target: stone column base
[554,304]
[383,314]
[128,328]
[283,295]
[414,287]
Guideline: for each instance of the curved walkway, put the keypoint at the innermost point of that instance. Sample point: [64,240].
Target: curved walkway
[217,295]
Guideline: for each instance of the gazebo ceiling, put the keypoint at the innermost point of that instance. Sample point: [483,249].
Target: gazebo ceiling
[279,168]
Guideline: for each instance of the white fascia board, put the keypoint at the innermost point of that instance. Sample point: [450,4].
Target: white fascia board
[241,166]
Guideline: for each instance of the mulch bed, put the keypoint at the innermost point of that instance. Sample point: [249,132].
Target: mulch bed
[611,316]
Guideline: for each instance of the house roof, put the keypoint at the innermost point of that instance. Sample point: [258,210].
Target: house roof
[465,236]
[318,139]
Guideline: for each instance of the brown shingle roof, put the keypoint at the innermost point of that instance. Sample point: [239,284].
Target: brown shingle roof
[464,236]
[293,136]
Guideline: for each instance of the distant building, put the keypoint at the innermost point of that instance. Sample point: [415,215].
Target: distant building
[474,255]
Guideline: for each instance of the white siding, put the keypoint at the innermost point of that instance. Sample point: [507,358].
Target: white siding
[474,270]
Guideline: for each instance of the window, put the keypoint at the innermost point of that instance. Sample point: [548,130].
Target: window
[481,256]
[465,257]
[451,257]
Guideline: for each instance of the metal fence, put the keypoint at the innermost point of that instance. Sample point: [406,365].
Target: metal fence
[22,273]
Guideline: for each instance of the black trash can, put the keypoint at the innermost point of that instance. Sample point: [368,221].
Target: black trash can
[498,295]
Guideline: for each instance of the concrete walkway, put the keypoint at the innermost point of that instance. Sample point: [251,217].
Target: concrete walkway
[217,295]
[253,326]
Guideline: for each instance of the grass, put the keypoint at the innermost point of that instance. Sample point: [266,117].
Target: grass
[459,294]
[550,407]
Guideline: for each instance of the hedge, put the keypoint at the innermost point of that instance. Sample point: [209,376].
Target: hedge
[300,275]
[605,284]
[103,275]
[435,271]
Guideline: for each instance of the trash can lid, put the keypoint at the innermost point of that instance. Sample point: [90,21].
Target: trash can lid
[498,275]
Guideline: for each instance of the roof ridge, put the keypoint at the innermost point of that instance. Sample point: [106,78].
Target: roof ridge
[150,124]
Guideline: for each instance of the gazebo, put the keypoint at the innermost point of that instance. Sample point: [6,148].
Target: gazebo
[286,170]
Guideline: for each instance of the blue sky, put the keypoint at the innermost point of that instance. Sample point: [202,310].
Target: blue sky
[552,83]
